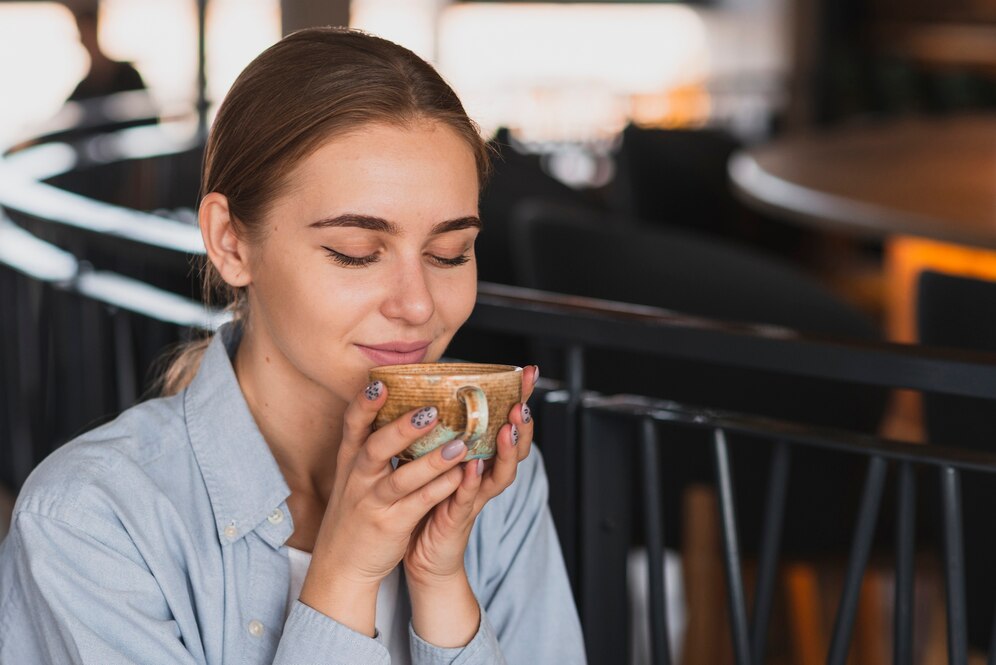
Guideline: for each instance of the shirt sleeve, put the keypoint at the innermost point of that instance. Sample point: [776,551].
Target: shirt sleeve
[528,613]
[75,595]
[484,648]
[312,638]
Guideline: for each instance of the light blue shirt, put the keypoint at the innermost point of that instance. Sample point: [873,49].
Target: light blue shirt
[160,538]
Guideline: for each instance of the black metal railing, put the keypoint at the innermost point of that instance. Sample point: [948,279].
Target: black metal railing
[631,427]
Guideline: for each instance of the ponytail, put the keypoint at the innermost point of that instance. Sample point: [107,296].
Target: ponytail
[183,360]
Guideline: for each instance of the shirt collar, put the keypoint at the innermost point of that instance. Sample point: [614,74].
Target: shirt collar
[245,485]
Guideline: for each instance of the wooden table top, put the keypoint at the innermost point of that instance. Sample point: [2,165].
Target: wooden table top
[928,177]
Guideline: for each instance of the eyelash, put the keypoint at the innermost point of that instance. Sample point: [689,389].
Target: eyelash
[362,261]
[351,261]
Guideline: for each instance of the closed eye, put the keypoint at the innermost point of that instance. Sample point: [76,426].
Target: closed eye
[351,261]
[451,262]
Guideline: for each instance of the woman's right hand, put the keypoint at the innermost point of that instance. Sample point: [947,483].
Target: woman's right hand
[374,508]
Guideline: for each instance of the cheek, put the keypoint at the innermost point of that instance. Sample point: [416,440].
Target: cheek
[306,301]
[458,301]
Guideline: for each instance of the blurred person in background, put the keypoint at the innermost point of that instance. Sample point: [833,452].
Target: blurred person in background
[105,76]
[251,514]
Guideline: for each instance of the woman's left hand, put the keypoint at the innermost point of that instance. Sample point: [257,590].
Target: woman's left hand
[436,551]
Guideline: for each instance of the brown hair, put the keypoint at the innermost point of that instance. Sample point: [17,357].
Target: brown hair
[306,89]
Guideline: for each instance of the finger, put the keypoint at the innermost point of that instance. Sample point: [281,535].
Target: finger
[530,375]
[427,497]
[410,477]
[461,507]
[358,419]
[506,462]
[393,438]
[522,418]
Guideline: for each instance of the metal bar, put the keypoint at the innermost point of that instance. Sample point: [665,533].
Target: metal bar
[202,101]
[553,429]
[660,648]
[731,549]
[871,500]
[796,433]
[606,510]
[124,360]
[905,565]
[992,643]
[573,463]
[659,332]
[575,372]
[954,566]
[771,535]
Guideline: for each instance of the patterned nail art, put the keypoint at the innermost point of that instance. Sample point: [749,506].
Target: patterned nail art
[373,391]
[424,416]
[515,435]
[526,414]
[536,374]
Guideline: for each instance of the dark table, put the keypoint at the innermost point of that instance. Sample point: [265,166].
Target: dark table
[932,178]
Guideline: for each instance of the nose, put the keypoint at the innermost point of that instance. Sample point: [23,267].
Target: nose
[410,299]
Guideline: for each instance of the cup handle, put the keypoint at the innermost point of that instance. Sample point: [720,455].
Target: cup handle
[477,413]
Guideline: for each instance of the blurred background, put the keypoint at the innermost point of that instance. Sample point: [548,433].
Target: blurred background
[810,169]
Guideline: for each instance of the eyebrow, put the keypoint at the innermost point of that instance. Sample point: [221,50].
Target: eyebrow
[384,226]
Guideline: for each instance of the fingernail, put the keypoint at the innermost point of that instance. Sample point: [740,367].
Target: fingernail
[515,435]
[373,390]
[536,374]
[480,466]
[424,416]
[526,413]
[452,449]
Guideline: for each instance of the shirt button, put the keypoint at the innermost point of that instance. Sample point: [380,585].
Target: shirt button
[255,628]
[276,517]
[231,532]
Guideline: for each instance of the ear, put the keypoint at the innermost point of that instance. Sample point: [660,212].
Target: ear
[227,252]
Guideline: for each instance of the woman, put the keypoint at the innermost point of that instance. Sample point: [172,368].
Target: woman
[251,516]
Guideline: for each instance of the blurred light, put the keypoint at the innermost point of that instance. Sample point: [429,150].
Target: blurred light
[621,48]
[20,192]
[43,161]
[34,257]
[160,38]
[237,31]
[135,296]
[566,72]
[38,42]
[578,167]
[411,23]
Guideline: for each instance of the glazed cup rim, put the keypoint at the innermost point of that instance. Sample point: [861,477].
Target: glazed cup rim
[472,370]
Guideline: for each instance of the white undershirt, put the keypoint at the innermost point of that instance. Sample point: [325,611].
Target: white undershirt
[393,628]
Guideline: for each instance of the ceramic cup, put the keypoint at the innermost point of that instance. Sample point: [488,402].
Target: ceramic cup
[473,402]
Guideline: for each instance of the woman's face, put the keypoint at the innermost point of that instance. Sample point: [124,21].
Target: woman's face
[368,257]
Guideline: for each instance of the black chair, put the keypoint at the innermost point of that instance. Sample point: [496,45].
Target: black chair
[960,312]
[676,176]
[573,251]
[679,178]
[516,177]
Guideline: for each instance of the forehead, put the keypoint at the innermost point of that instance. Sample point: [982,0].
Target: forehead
[399,173]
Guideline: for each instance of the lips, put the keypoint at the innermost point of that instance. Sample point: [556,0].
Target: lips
[395,353]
